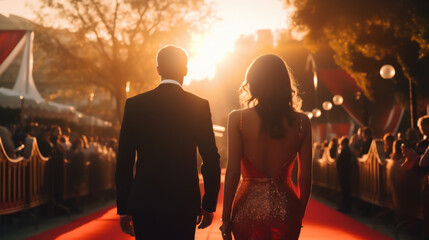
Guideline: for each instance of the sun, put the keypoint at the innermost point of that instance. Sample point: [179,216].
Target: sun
[238,17]
[206,51]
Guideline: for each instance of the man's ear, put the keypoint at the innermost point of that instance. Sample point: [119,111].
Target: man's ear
[157,70]
[186,71]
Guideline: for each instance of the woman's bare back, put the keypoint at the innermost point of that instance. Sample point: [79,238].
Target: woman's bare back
[266,153]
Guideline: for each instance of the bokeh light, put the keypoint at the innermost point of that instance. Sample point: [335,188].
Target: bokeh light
[387,71]
[316,112]
[338,99]
[327,105]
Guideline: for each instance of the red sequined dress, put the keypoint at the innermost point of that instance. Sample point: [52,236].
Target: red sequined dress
[266,207]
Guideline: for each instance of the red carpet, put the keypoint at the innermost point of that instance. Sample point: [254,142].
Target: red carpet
[320,222]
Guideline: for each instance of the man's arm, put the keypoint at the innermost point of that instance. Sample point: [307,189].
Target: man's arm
[125,161]
[211,165]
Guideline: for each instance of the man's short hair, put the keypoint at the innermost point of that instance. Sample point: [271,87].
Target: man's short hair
[171,60]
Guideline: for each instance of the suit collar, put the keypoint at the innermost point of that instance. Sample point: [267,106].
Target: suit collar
[170,81]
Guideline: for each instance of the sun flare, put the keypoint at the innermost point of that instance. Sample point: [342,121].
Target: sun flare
[206,51]
[237,17]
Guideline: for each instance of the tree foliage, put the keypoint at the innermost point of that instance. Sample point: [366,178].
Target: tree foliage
[365,35]
[109,42]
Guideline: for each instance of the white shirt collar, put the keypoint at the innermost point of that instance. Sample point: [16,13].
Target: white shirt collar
[170,81]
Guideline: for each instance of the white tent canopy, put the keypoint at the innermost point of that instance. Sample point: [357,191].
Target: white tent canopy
[25,83]
[24,93]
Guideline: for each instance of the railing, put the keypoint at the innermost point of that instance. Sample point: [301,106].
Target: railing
[375,179]
[29,181]
[13,187]
[38,188]
[325,172]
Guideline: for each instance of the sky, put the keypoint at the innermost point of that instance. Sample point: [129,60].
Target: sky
[247,14]
[17,7]
[236,17]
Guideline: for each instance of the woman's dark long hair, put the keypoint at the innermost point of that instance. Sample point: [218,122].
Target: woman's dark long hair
[270,88]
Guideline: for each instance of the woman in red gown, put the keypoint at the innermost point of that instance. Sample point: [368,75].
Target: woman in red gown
[264,140]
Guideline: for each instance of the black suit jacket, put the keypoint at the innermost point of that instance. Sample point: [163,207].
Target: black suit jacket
[164,127]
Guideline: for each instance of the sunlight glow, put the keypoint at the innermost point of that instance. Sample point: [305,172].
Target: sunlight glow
[235,18]
[16,7]
[205,53]
[239,17]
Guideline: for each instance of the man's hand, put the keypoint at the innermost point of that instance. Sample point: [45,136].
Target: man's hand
[205,219]
[126,223]
[411,158]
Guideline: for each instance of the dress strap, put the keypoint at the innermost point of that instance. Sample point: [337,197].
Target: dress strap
[241,130]
[300,126]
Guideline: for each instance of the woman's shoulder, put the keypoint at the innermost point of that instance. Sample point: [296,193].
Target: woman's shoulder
[235,115]
[241,113]
[238,112]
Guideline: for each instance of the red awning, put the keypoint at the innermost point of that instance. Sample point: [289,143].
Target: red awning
[8,41]
[384,116]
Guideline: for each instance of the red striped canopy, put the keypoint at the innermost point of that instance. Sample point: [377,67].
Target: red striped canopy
[385,115]
[8,41]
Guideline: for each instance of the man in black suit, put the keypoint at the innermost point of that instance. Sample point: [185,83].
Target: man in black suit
[164,127]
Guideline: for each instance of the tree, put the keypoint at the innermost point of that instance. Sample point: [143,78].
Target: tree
[110,42]
[365,35]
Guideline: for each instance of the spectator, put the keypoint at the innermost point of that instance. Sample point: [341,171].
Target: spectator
[19,135]
[57,162]
[33,129]
[414,157]
[333,147]
[406,185]
[412,138]
[6,138]
[324,146]
[423,124]
[413,149]
[77,166]
[424,163]
[45,144]
[388,140]
[396,153]
[344,167]
[367,140]
[356,142]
